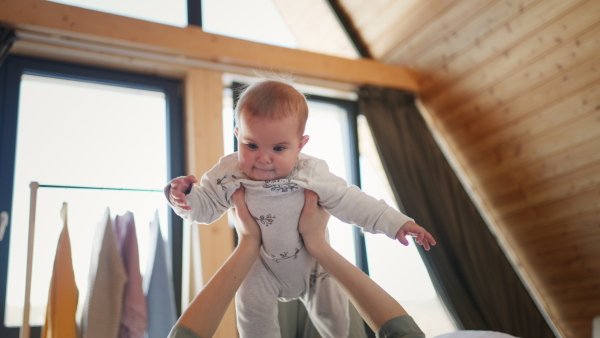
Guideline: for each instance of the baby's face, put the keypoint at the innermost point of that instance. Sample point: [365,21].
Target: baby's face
[268,149]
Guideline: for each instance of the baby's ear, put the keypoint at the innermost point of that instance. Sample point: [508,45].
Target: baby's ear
[303,140]
[236,132]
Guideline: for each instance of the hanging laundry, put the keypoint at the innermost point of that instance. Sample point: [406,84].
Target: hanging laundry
[135,313]
[158,286]
[104,302]
[63,295]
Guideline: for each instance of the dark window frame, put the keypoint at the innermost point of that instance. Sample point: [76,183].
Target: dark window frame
[352,109]
[10,81]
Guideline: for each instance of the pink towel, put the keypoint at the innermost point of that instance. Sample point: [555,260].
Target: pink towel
[135,313]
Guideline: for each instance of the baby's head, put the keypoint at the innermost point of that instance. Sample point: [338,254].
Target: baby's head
[270,119]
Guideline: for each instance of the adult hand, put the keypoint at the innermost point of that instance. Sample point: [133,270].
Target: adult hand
[313,222]
[245,224]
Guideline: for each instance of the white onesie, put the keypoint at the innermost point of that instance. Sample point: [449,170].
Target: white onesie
[285,270]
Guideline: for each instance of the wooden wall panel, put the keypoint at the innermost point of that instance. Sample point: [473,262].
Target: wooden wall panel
[491,110]
[386,14]
[551,114]
[534,18]
[549,168]
[405,28]
[513,86]
[540,55]
[434,31]
[473,31]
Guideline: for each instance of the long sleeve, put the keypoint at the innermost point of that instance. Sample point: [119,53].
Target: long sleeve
[210,200]
[349,203]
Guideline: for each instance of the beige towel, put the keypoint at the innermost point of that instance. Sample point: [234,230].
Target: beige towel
[63,295]
[107,280]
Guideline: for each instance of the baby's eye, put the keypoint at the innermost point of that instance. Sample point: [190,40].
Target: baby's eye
[279,148]
[251,145]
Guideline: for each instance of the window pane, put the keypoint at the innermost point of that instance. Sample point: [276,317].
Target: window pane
[327,127]
[169,12]
[80,134]
[257,20]
[398,269]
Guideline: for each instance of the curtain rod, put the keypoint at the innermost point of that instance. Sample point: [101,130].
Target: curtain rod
[93,188]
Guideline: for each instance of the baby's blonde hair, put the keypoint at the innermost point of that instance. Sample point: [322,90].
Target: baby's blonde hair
[272,99]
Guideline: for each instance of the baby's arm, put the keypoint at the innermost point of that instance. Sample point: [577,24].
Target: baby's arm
[351,205]
[200,203]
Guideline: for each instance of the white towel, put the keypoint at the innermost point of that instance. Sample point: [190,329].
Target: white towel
[104,303]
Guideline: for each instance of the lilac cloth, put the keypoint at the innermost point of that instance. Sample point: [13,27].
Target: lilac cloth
[135,314]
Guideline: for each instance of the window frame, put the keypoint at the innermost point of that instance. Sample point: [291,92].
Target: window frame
[10,82]
[352,109]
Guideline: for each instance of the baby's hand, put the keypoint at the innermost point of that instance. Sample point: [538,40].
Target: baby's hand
[179,187]
[411,228]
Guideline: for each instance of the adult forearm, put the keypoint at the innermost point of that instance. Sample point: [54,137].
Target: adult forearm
[374,304]
[207,309]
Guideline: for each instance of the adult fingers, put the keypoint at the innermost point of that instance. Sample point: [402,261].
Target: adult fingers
[238,197]
[311,198]
[239,203]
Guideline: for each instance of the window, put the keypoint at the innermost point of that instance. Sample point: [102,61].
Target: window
[80,126]
[257,20]
[274,22]
[168,12]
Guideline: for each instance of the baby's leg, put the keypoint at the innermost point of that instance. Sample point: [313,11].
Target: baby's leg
[256,304]
[327,305]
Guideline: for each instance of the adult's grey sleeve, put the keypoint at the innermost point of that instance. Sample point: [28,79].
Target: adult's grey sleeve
[179,331]
[400,327]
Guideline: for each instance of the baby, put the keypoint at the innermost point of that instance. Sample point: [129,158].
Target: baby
[270,120]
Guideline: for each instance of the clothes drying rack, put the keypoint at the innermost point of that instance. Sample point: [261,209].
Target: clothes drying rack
[34,186]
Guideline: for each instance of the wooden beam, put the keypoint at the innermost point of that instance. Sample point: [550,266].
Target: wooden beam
[73,23]
[203,121]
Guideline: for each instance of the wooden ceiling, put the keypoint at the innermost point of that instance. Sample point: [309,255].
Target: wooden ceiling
[514,88]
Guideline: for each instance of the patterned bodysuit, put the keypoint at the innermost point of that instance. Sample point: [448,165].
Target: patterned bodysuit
[285,270]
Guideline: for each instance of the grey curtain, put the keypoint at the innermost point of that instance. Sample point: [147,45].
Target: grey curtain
[467,266]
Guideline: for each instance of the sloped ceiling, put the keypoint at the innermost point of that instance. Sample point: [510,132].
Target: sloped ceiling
[514,88]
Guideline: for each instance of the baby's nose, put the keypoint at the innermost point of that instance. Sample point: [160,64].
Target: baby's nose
[264,158]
